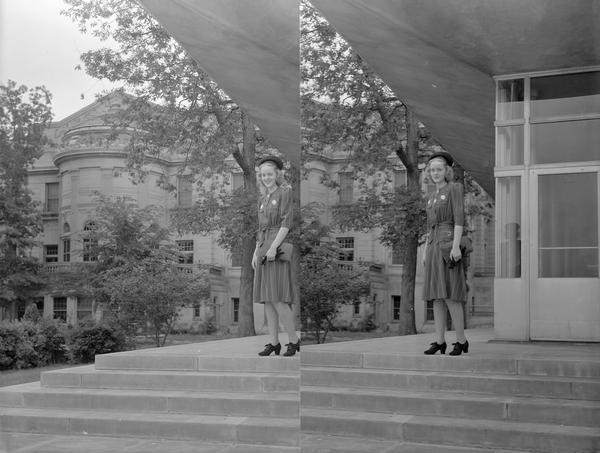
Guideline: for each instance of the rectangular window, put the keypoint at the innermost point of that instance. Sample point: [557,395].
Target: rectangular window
[184,191]
[399,178]
[565,141]
[59,310]
[51,205]
[66,243]
[196,310]
[429,310]
[510,99]
[50,253]
[508,199]
[346,188]
[236,257]
[356,308]
[235,304]
[565,95]
[510,145]
[568,231]
[84,308]
[237,180]
[186,251]
[347,248]
[397,255]
[88,247]
[396,308]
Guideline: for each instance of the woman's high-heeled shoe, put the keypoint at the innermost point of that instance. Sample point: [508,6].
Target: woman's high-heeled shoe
[292,348]
[269,348]
[435,347]
[460,348]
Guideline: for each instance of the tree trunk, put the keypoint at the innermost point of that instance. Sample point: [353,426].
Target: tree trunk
[295,263]
[407,325]
[246,326]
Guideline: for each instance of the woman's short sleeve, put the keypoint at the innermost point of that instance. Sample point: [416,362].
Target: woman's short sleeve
[457,201]
[286,208]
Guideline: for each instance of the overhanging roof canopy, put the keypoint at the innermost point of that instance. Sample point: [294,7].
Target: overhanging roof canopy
[250,48]
[439,57]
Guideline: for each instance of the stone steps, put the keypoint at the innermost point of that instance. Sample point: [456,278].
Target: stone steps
[451,404]
[321,443]
[419,381]
[412,402]
[496,364]
[89,377]
[207,394]
[244,430]
[272,404]
[453,431]
[52,443]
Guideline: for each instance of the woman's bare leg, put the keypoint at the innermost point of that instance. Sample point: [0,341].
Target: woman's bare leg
[286,314]
[439,318]
[457,315]
[272,322]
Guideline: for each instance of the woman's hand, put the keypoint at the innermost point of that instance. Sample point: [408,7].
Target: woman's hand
[271,254]
[455,253]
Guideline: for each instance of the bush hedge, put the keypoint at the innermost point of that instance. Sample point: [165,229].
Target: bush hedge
[28,344]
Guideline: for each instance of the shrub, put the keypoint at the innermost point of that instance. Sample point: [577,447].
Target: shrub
[89,339]
[52,345]
[17,345]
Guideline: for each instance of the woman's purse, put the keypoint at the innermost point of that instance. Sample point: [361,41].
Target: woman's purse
[284,252]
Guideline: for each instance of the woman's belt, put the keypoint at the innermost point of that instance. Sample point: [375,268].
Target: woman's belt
[262,233]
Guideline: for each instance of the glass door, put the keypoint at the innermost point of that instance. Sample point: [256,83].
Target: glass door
[565,276]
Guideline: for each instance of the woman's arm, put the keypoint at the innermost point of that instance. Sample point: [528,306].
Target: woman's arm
[281,234]
[455,253]
[458,215]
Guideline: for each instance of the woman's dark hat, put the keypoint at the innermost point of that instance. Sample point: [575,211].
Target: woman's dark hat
[276,160]
[444,155]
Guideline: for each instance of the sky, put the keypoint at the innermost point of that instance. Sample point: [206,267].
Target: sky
[39,46]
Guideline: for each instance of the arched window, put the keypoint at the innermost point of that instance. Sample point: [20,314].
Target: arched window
[66,227]
[89,226]
[89,244]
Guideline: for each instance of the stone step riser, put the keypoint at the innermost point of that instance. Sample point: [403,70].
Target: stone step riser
[495,385]
[148,362]
[461,406]
[225,431]
[445,363]
[414,431]
[182,381]
[288,408]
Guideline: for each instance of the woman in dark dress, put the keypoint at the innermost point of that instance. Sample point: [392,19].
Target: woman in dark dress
[272,275]
[445,281]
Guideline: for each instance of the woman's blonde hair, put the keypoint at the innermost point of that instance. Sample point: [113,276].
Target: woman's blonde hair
[449,176]
[279,179]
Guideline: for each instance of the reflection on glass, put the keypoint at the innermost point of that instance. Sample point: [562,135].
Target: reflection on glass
[509,207]
[510,99]
[510,145]
[568,225]
[567,141]
[567,94]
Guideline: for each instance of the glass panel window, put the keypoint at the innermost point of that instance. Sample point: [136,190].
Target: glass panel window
[511,144]
[347,246]
[196,310]
[397,255]
[566,94]
[396,308]
[235,304]
[429,310]
[186,251]
[510,99]
[60,308]
[52,198]
[51,253]
[84,308]
[566,141]
[66,243]
[236,257]
[184,191]
[508,199]
[237,180]
[568,231]
[346,188]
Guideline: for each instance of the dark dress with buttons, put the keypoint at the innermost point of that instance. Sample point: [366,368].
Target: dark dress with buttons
[273,280]
[445,209]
